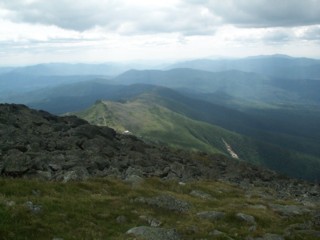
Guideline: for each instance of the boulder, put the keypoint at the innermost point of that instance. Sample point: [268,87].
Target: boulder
[166,202]
[211,215]
[246,218]
[289,210]
[152,233]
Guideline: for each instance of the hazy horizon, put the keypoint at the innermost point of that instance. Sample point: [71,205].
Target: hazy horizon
[149,63]
[38,31]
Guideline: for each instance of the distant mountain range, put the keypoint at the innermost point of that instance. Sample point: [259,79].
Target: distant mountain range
[266,108]
[244,87]
[280,66]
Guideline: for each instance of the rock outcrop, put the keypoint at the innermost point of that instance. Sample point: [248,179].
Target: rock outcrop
[37,144]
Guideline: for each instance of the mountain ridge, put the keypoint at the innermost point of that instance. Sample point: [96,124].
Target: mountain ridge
[161,115]
[274,65]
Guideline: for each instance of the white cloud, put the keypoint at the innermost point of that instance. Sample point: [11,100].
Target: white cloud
[125,17]
[99,30]
[264,13]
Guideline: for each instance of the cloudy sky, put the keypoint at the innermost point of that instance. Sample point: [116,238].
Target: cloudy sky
[35,31]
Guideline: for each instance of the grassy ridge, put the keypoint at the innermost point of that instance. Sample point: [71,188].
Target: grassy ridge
[145,118]
[160,115]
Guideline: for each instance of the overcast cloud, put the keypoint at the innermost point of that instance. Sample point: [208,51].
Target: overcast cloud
[124,29]
[264,13]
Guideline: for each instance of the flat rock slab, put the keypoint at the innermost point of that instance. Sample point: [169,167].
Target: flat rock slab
[201,194]
[289,210]
[152,233]
[166,202]
[211,215]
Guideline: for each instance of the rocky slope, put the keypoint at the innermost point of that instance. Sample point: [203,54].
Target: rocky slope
[154,192]
[38,144]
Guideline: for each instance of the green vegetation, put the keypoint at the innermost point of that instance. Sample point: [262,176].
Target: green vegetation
[89,210]
[164,116]
[147,118]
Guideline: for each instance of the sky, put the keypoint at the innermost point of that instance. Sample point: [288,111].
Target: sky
[42,31]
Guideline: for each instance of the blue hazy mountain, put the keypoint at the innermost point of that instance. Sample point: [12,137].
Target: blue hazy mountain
[281,66]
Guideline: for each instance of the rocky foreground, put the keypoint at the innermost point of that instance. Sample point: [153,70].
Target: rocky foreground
[38,145]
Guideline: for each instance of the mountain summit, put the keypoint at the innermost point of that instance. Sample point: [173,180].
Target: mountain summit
[36,144]
[133,189]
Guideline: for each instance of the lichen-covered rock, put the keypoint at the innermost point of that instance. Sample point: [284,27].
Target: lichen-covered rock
[211,215]
[289,210]
[33,207]
[201,194]
[151,233]
[246,218]
[153,222]
[166,202]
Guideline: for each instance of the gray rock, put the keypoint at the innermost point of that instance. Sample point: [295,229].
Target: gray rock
[112,171]
[54,167]
[10,203]
[216,233]
[33,208]
[246,218]
[45,175]
[134,180]
[258,207]
[151,233]
[211,215]
[131,171]
[200,194]
[121,219]
[166,202]
[153,222]
[16,163]
[78,173]
[289,210]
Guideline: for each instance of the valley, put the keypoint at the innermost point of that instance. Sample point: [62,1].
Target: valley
[266,119]
[159,120]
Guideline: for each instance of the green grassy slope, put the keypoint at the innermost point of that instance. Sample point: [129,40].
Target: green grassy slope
[146,118]
[160,115]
